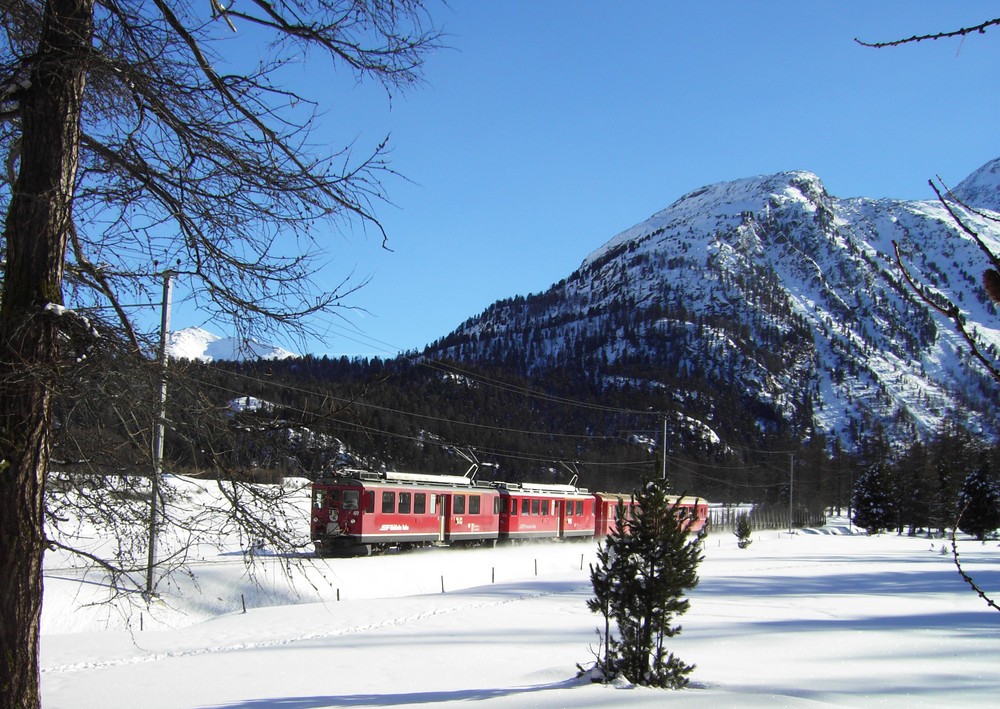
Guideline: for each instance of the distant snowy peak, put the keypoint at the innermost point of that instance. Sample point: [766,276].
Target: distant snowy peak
[981,189]
[195,343]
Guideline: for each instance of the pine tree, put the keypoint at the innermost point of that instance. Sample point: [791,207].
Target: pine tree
[979,503]
[874,504]
[743,531]
[639,582]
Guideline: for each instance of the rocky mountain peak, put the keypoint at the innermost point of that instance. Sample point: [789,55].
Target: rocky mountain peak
[773,296]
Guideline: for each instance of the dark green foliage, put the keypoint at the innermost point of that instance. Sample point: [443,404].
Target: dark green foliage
[383,410]
[979,503]
[639,580]
[743,531]
[874,500]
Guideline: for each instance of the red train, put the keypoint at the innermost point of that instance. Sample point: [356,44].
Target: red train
[355,512]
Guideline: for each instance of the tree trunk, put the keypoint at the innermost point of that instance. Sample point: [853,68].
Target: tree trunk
[36,228]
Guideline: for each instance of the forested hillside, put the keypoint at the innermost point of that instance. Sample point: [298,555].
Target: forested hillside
[306,416]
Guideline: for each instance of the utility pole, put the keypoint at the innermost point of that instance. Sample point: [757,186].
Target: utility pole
[158,431]
[791,483]
[664,450]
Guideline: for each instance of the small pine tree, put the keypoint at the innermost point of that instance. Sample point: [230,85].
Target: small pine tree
[743,531]
[640,578]
[874,505]
[979,503]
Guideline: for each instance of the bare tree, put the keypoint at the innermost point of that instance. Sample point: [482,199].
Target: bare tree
[136,140]
[958,211]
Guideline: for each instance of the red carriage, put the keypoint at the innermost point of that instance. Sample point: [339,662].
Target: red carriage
[357,512]
[538,511]
[693,511]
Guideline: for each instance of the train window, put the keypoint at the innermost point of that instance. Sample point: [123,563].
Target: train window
[496,505]
[388,502]
[419,503]
[474,504]
[369,501]
[534,506]
[351,499]
[433,509]
[525,506]
[404,503]
[545,508]
[579,508]
[458,506]
[319,498]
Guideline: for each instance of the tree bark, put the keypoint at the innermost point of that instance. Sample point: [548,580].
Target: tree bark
[36,228]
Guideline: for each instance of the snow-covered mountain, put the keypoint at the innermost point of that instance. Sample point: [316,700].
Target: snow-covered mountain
[768,298]
[197,344]
[981,189]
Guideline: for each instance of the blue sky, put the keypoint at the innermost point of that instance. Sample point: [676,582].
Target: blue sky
[549,126]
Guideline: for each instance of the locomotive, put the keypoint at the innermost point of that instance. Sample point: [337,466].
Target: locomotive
[359,512]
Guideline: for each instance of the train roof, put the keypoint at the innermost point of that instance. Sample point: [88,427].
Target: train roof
[543,488]
[392,476]
[686,499]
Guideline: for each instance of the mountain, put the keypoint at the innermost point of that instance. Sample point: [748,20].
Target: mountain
[197,344]
[767,306]
[981,189]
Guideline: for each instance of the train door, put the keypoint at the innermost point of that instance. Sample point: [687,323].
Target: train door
[442,508]
[456,516]
[559,509]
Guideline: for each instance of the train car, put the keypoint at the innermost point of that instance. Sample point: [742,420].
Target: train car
[539,511]
[607,503]
[359,512]
[693,511]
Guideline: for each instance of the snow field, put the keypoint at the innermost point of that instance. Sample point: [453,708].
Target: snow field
[794,620]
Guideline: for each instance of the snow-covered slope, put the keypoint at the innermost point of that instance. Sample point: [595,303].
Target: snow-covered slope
[981,189]
[773,292]
[197,344]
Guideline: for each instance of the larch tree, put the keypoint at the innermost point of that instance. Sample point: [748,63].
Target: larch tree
[959,212]
[135,141]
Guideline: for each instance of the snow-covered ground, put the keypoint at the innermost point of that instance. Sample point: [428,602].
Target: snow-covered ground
[794,620]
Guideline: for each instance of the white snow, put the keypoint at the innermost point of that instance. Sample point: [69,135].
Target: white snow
[195,343]
[247,404]
[810,619]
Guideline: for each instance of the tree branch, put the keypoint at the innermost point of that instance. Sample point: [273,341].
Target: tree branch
[965,577]
[961,32]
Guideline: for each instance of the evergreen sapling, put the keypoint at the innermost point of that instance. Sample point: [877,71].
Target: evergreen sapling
[644,567]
